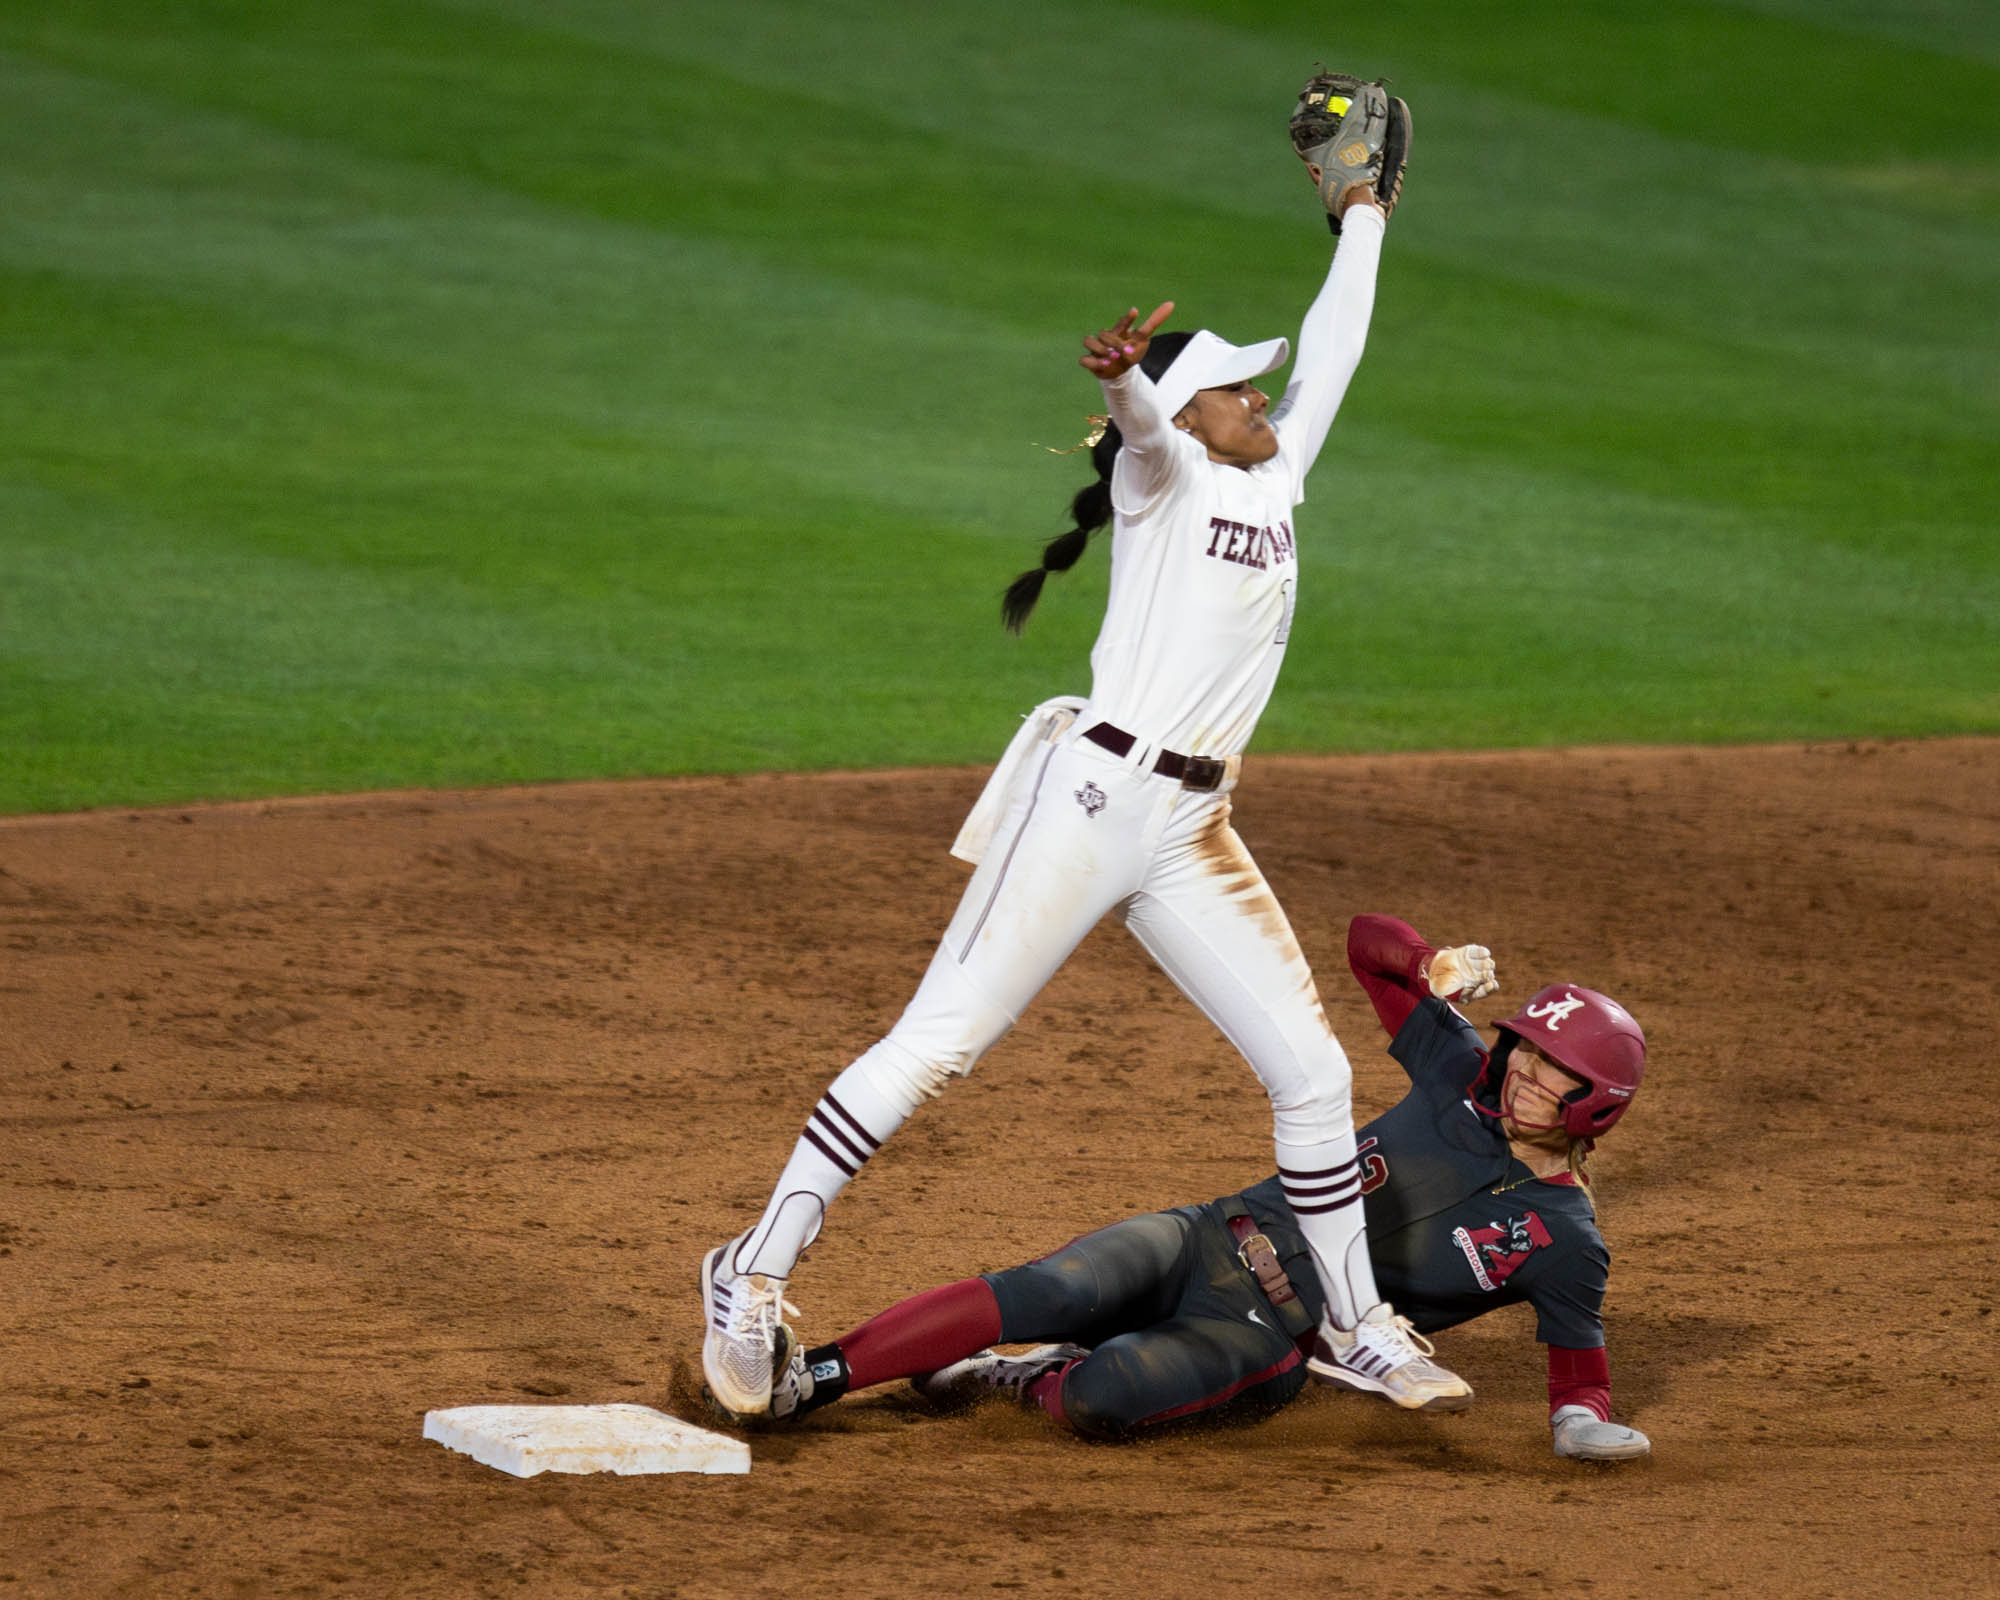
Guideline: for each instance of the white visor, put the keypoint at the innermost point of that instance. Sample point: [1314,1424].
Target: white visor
[1208,362]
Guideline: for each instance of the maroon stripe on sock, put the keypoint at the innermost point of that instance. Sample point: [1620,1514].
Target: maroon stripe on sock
[1331,1205]
[827,1150]
[832,1130]
[1295,1191]
[1315,1192]
[1327,1172]
[1291,1360]
[921,1334]
[853,1122]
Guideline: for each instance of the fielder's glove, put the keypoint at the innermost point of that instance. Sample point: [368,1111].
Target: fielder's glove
[1581,1437]
[1464,972]
[1350,133]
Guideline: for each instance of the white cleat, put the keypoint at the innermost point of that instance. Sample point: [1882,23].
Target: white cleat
[989,1372]
[1580,1436]
[1385,1356]
[739,1351]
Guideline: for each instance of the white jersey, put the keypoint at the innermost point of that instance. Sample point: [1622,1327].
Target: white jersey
[1204,559]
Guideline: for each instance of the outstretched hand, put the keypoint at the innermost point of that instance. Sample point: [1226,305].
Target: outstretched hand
[1121,346]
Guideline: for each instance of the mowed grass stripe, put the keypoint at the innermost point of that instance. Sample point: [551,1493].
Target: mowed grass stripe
[679,140]
[1732,408]
[1878,269]
[1542,610]
[1713,74]
[1969,28]
[269,393]
[304,574]
[1696,394]
[218,672]
[638,322]
[596,130]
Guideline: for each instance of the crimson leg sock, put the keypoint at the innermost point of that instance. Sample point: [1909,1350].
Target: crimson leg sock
[921,1334]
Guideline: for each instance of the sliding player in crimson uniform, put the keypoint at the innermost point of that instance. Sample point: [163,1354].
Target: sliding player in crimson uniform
[1475,1198]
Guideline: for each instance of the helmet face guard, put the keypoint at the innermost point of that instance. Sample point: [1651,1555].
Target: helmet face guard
[1591,1035]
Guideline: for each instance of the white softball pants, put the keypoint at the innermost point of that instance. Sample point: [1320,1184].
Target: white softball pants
[1085,833]
[1092,834]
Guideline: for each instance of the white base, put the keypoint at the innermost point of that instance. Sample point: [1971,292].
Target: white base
[525,1440]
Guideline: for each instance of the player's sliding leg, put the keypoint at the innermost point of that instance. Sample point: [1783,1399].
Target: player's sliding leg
[1209,919]
[1185,1369]
[919,1335]
[1175,1370]
[1194,1338]
[1107,1282]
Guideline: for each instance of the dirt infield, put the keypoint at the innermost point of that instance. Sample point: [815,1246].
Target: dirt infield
[321,1114]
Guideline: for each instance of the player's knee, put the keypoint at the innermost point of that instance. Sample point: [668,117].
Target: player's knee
[1298,1060]
[901,1074]
[1123,1386]
[945,1030]
[1315,1101]
[1122,1392]
[1049,1299]
[1099,1399]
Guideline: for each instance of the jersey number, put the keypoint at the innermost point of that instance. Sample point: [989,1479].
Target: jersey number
[1374,1170]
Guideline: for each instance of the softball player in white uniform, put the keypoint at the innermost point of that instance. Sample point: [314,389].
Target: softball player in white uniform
[1125,806]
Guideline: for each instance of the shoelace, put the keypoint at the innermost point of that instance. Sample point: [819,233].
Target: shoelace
[1399,1332]
[762,1309]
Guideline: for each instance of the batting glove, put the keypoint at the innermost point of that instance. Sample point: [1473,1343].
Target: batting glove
[1464,972]
[1579,1436]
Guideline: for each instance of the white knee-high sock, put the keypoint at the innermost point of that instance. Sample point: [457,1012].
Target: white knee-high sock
[1322,1184]
[859,1111]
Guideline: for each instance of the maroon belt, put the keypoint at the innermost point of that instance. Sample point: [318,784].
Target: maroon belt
[1190,772]
[1256,1252]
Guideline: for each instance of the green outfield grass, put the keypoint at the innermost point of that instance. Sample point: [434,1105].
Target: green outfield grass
[489,390]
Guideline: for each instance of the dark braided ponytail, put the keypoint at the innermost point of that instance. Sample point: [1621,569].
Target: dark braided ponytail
[1089,511]
[1091,507]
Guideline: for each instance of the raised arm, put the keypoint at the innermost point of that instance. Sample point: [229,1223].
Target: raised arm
[1114,354]
[1396,968]
[1332,338]
[1388,957]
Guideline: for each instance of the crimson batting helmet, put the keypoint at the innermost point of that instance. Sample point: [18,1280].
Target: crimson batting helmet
[1593,1036]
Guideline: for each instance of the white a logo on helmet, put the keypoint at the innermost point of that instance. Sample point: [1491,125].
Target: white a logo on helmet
[1555,1011]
